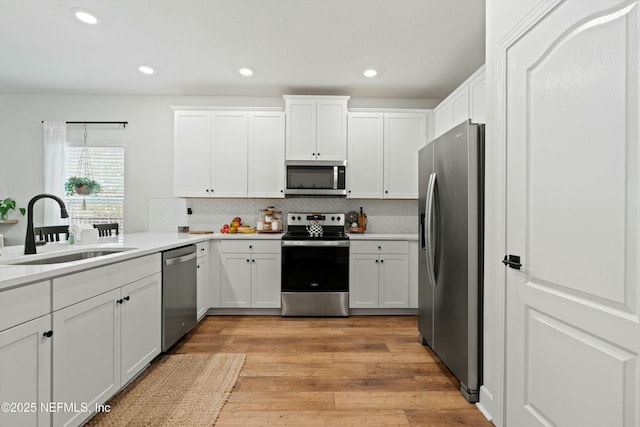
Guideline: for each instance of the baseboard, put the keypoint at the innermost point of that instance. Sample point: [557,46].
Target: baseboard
[486,403]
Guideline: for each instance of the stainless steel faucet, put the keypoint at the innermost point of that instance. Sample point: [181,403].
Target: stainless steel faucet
[30,239]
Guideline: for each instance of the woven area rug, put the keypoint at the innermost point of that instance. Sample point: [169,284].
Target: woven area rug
[177,390]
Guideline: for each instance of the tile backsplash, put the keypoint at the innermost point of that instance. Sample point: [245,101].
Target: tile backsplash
[383,216]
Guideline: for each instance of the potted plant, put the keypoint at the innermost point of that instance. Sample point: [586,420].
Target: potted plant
[7,205]
[81,185]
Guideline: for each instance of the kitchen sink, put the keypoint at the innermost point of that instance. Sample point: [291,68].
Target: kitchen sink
[75,256]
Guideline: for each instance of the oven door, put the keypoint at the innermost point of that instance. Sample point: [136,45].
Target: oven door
[315,266]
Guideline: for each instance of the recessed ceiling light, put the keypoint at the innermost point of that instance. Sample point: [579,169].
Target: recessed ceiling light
[246,71]
[370,72]
[145,69]
[85,16]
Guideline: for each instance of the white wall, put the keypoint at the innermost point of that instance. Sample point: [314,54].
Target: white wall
[501,16]
[149,142]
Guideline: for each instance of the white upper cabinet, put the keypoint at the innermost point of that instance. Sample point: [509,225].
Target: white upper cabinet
[316,127]
[366,155]
[192,154]
[383,152]
[229,154]
[266,154]
[404,135]
[464,103]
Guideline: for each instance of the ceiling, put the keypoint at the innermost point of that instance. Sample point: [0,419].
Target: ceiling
[420,48]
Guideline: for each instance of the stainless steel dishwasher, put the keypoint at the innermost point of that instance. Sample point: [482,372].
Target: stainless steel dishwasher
[179,307]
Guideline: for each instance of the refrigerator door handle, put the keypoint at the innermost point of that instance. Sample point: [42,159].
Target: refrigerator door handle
[423,240]
[429,228]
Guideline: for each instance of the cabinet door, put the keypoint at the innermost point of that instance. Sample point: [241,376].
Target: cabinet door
[235,280]
[477,99]
[266,154]
[265,280]
[141,317]
[460,106]
[404,135]
[444,118]
[366,149]
[363,281]
[331,128]
[394,281]
[86,354]
[25,372]
[202,296]
[301,129]
[192,153]
[229,154]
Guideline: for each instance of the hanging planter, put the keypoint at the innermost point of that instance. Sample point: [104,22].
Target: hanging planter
[81,186]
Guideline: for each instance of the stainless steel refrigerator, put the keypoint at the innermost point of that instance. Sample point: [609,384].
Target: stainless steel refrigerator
[451,206]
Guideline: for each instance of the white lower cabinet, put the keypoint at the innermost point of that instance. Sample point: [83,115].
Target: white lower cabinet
[102,343]
[250,274]
[25,373]
[86,355]
[379,274]
[202,279]
[141,325]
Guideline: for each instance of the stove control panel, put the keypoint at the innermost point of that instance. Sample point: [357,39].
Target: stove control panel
[330,219]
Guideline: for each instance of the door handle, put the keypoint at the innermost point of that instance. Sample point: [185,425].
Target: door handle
[429,229]
[512,261]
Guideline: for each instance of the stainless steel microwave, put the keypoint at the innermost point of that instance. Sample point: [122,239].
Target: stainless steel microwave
[316,178]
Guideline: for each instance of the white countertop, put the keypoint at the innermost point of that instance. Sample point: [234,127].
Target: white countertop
[382,236]
[140,243]
[137,244]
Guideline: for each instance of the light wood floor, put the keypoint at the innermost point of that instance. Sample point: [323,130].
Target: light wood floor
[361,370]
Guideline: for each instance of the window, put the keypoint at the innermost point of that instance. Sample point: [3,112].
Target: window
[107,168]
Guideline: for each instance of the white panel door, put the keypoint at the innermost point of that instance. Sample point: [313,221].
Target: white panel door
[203,286]
[265,280]
[191,152]
[25,373]
[394,281]
[301,129]
[573,334]
[141,325]
[444,118]
[86,354]
[366,150]
[229,154]
[404,135]
[363,280]
[331,142]
[235,280]
[266,154]
[460,107]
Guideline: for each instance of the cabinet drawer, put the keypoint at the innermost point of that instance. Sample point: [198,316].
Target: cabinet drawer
[77,287]
[202,249]
[250,246]
[22,304]
[379,247]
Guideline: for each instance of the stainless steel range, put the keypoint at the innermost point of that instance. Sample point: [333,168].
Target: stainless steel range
[315,265]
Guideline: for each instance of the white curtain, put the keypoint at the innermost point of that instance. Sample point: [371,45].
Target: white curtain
[55,136]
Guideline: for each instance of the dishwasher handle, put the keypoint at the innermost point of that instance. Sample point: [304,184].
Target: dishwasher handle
[180,259]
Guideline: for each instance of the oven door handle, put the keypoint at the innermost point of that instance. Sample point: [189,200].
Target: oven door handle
[320,243]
